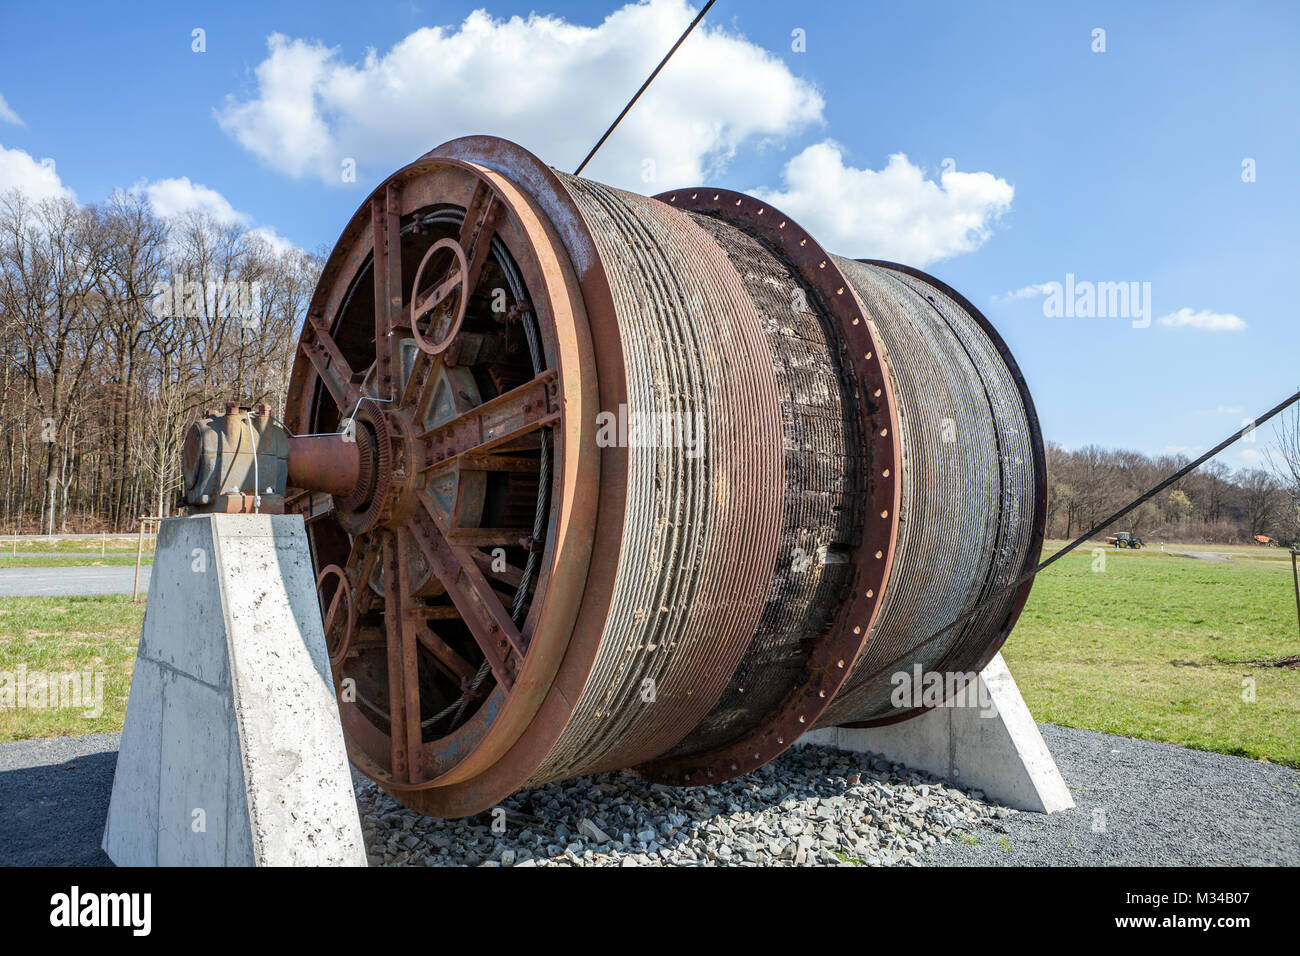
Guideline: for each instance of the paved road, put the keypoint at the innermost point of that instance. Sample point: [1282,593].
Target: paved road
[42,582]
[1140,803]
[54,800]
[1161,805]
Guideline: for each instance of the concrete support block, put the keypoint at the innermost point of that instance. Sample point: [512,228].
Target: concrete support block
[232,752]
[998,750]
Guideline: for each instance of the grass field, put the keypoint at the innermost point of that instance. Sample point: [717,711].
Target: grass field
[1155,646]
[65,636]
[1160,647]
[122,544]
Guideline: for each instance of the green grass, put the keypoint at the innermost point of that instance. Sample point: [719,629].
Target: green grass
[53,635]
[122,544]
[74,561]
[1155,647]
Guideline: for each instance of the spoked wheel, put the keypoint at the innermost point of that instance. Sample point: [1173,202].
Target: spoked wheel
[433,356]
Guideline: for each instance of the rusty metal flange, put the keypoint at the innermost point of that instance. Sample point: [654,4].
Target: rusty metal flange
[835,652]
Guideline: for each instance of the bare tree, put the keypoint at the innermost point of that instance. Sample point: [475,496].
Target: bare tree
[53,256]
[1284,460]
[1261,494]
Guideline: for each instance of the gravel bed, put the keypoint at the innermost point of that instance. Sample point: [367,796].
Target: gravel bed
[810,807]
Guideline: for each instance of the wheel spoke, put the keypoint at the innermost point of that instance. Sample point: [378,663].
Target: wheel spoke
[481,218]
[385,223]
[445,655]
[479,605]
[361,565]
[494,424]
[417,396]
[330,365]
[510,575]
[488,537]
[403,664]
[430,301]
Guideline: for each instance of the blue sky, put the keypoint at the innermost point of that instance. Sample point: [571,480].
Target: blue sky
[1125,165]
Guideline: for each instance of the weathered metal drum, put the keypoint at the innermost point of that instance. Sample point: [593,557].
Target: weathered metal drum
[649,483]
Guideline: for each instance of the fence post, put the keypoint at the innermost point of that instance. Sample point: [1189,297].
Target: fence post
[1296,575]
[139,551]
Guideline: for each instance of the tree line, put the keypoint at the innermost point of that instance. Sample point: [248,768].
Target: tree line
[117,329]
[1212,504]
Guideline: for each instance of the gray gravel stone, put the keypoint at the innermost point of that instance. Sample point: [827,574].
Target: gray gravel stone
[811,807]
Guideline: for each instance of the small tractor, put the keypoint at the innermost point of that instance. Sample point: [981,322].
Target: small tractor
[1124,539]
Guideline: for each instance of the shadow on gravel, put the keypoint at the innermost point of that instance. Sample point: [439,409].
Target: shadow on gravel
[54,815]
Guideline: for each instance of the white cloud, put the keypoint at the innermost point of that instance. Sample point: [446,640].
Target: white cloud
[35,179]
[277,242]
[7,114]
[1205,319]
[177,196]
[892,213]
[548,84]
[1027,292]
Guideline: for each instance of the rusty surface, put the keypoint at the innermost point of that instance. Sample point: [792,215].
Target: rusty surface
[517,600]
[810,688]
[325,463]
[235,462]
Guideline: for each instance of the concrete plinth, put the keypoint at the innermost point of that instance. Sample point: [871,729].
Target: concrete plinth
[232,752]
[998,750]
